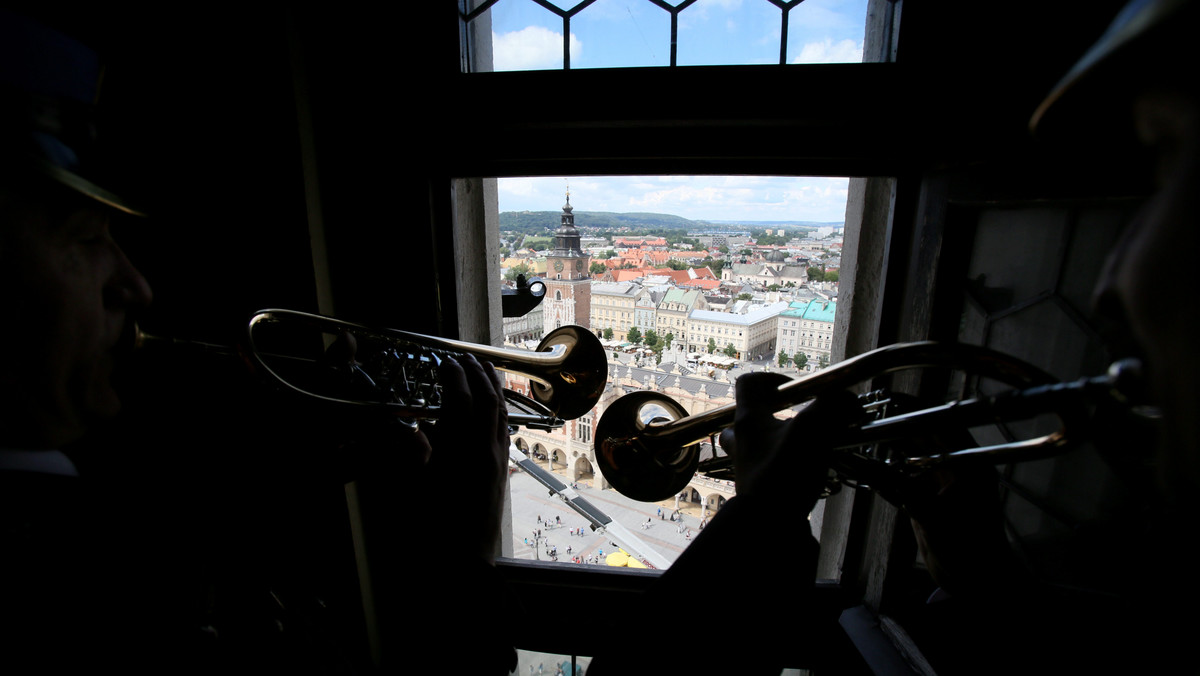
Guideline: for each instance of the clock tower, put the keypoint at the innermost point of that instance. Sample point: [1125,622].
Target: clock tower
[568,277]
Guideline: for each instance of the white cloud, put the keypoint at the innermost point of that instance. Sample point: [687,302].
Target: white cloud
[531,48]
[521,187]
[828,51]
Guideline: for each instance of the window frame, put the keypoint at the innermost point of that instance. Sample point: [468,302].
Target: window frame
[607,137]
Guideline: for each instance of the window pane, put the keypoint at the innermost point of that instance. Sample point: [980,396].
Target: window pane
[638,33]
[546,664]
[720,33]
[827,31]
[526,36]
[674,253]
[622,34]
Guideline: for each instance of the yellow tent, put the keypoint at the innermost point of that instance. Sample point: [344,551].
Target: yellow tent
[618,558]
[622,559]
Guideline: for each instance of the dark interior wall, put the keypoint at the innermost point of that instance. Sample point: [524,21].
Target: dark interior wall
[233,492]
[376,87]
[201,118]
[983,68]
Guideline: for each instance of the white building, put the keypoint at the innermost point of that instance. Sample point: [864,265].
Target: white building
[646,308]
[751,335]
[614,306]
[807,328]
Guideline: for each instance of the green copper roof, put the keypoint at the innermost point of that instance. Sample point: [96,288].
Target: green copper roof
[821,310]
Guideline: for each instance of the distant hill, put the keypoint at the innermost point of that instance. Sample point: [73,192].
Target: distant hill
[758,225]
[537,222]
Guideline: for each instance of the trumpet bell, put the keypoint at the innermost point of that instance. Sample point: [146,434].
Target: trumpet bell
[628,463]
[572,387]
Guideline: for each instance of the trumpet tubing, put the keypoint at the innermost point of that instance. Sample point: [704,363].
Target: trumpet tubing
[349,364]
[648,447]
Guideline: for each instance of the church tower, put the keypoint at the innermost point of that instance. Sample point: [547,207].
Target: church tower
[568,277]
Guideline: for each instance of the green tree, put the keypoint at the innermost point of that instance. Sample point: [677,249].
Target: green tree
[723,249]
[712,345]
[744,296]
[816,274]
[598,268]
[634,336]
[800,360]
[667,340]
[773,287]
[729,351]
[514,271]
[822,362]
[608,334]
[783,358]
[831,276]
[651,337]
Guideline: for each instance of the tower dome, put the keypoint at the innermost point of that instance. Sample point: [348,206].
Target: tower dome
[566,237]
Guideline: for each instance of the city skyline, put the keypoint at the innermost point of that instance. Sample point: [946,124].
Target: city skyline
[701,198]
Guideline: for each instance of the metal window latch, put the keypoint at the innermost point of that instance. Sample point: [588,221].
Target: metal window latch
[526,296]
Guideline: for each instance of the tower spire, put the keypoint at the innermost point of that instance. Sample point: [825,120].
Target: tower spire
[568,282]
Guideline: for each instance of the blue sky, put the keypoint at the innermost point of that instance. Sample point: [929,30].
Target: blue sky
[634,33]
[626,33]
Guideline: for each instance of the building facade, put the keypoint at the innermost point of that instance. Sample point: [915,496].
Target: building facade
[672,315]
[766,274]
[568,278]
[614,306]
[529,326]
[807,328]
[748,336]
[646,308]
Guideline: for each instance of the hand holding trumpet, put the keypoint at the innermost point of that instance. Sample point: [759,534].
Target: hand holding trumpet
[471,451]
[774,458]
[465,452]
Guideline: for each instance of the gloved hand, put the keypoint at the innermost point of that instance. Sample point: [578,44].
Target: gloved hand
[467,450]
[784,460]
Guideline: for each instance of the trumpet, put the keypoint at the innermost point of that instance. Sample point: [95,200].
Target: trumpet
[347,364]
[648,447]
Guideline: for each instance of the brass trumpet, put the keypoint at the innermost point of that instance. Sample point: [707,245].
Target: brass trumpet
[648,448]
[348,364]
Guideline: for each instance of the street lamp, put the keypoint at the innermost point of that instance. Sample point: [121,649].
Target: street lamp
[538,538]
